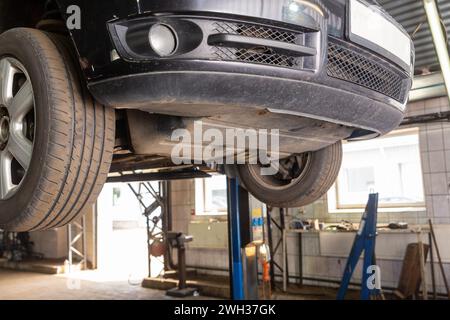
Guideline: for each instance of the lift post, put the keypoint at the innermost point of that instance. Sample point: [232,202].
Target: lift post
[243,285]
[234,240]
[178,240]
[364,241]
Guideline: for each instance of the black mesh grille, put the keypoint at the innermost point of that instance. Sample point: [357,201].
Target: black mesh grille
[264,57]
[260,55]
[345,64]
[255,31]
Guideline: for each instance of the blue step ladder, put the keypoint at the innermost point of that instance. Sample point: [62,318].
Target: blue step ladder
[364,241]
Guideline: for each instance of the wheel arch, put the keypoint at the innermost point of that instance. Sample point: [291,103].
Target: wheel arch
[33,14]
[22,13]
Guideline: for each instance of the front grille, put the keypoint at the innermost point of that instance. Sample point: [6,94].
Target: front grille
[348,65]
[264,57]
[258,55]
[255,31]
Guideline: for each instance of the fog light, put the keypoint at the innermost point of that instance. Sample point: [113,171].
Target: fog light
[163,40]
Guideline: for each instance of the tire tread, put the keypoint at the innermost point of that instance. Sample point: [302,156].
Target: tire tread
[77,160]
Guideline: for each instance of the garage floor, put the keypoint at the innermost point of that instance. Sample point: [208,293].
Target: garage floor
[24,286]
[92,285]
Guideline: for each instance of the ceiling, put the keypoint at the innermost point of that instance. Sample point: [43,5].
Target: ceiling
[411,14]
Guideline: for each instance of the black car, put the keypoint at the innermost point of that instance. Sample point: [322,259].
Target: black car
[89,87]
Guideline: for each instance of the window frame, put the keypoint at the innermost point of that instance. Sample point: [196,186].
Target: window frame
[405,206]
[200,201]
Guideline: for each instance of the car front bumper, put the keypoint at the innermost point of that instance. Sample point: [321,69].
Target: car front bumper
[296,61]
[197,93]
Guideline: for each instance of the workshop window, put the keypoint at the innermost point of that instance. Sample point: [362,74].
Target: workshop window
[389,165]
[211,195]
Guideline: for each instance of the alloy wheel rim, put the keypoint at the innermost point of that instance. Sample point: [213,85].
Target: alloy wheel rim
[286,176]
[17,118]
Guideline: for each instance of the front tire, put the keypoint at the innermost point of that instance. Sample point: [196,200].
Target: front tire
[303,179]
[70,136]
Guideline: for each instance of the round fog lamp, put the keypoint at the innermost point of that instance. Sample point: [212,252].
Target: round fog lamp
[162,40]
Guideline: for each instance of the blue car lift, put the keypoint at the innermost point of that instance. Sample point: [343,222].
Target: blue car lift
[364,241]
[239,236]
[234,240]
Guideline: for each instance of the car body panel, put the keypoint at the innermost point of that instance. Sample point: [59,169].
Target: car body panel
[192,86]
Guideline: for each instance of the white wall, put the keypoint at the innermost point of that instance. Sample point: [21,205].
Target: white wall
[52,243]
[183,204]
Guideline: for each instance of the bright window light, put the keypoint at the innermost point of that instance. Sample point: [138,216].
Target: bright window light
[211,195]
[390,166]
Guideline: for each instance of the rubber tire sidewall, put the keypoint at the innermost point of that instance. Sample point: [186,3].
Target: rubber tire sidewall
[21,50]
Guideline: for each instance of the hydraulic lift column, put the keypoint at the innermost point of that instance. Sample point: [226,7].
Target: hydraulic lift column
[242,286]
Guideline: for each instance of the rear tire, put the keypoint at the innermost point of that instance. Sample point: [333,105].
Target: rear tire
[73,136]
[315,177]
